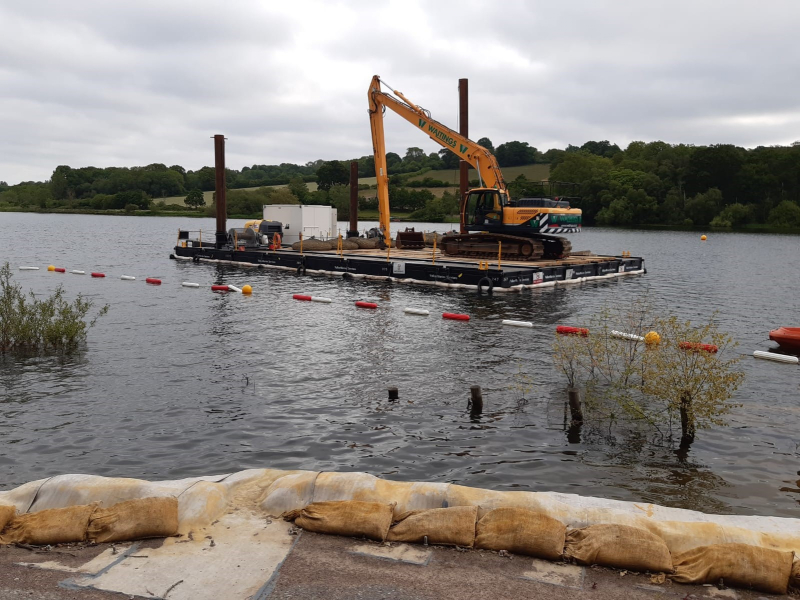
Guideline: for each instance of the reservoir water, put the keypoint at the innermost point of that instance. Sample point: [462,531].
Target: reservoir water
[176,382]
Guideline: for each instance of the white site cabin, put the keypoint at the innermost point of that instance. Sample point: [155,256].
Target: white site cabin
[311,221]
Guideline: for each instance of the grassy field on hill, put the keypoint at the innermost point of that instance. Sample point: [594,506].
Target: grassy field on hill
[532,172]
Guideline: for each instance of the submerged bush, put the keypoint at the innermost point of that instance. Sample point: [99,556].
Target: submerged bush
[33,325]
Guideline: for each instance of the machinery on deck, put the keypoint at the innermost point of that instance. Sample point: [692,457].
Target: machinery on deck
[491,221]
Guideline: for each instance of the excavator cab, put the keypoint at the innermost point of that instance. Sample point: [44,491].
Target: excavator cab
[484,207]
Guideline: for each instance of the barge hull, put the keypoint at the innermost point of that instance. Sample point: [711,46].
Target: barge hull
[512,276]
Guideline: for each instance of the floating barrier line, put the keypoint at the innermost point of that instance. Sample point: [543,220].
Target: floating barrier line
[190,284]
[784,358]
[233,288]
[76,272]
[455,316]
[321,299]
[362,304]
[627,336]
[29,268]
[416,311]
[128,278]
[98,274]
[517,323]
[153,281]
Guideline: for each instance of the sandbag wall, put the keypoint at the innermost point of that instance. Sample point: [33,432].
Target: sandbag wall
[539,525]
[694,547]
[130,520]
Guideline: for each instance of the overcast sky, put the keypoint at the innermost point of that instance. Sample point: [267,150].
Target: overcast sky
[123,83]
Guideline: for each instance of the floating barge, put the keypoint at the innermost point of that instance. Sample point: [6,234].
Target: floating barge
[423,266]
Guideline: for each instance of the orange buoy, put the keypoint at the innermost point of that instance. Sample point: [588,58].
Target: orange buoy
[710,348]
[60,270]
[455,316]
[362,304]
[153,280]
[303,297]
[98,274]
[566,330]
[220,288]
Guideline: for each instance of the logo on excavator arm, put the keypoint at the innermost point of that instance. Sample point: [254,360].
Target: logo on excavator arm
[441,135]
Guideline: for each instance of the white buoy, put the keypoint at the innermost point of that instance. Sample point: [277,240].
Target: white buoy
[627,336]
[78,272]
[784,358]
[417,311]
[128,278]
[517,323]
[29,268]
[233,288]
[321,299]
[190,284]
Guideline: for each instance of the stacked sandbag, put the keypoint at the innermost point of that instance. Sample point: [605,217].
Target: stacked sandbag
[6,514]
[366,243]
[739,565]
[134,520]
[313,244]
[445,526]
[430,236]
[347,517]
[619,546]
[347,244]
[52,526]
[521,531]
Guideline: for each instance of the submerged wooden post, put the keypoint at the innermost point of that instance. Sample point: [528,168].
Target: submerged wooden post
[476,401]
[394,394]
[575,406]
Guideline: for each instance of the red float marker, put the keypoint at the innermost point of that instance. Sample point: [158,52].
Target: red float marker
[60,270]
[566,330]
[153,281]
[455,316]
[302,297]
[362,304]
[710,348]
[220,288]
[98,274]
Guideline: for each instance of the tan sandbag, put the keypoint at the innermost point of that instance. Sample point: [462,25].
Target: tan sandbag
[313,244]
[737,565]
[6,514]
[52,526]
[447,526]
[134,520]
[521,531]
[347,517]
[366,243]
[619,546]
[346,244]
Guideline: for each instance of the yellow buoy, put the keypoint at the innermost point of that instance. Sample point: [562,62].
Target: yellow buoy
[703,238]
[652,338]
[51,268]
[246,289]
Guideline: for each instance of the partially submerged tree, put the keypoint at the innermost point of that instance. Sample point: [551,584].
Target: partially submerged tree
[688,376]
[31,325]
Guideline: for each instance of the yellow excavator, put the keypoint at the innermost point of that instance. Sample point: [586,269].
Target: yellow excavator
[490,219]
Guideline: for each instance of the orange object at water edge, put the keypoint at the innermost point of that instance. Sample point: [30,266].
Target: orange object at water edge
[787,337]
[566,330]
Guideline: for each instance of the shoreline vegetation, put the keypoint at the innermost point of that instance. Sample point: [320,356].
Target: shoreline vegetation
[651,185]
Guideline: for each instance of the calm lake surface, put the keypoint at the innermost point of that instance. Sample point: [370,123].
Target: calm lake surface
[176,382]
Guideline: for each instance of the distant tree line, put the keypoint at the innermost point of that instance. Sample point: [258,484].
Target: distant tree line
[682,185]
[645,184]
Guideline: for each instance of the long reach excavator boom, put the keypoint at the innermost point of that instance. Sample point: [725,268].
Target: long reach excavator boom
[520,228]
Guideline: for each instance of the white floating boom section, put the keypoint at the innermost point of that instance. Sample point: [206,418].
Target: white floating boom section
[784,358]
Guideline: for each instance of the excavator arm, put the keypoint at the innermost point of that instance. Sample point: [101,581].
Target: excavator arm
[477,156]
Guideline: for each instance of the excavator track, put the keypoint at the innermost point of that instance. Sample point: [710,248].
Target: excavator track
[485,245]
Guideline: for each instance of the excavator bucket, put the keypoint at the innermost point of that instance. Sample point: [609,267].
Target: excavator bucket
[410,239]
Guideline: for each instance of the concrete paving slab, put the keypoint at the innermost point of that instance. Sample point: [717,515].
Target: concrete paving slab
[564,575]
[416,555]
[102,561]
[234,558]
